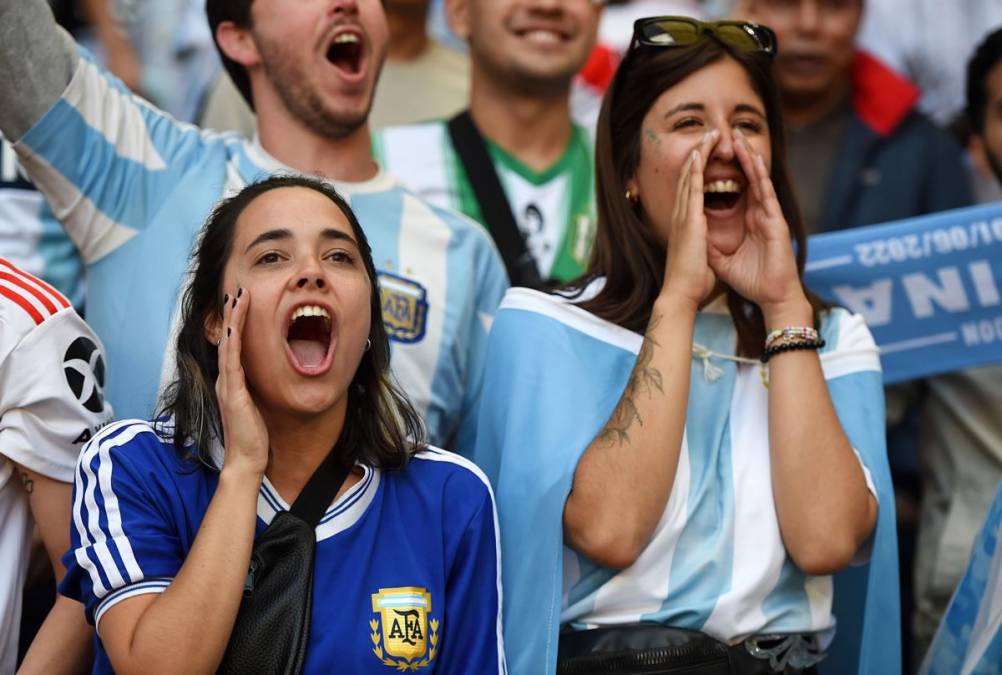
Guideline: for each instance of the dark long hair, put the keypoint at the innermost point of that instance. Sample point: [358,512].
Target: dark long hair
[626,251]
[381,428]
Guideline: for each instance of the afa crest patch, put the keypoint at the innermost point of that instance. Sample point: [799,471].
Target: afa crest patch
[404,636]
[404,304]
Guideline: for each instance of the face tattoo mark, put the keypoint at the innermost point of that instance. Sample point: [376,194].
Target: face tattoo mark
[652,137]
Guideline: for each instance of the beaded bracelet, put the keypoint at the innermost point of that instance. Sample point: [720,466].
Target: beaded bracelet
[796,332]
[769,352]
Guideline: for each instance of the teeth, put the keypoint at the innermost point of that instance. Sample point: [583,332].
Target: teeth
[722,186]
[540,35]
[346,38]
[310,310]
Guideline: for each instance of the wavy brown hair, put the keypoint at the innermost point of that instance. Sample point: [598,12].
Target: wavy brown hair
[627,253]
[381,429]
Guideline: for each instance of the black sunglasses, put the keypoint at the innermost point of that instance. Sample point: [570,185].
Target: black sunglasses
[681,31]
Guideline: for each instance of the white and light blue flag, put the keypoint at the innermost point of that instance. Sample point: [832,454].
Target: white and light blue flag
[928,287]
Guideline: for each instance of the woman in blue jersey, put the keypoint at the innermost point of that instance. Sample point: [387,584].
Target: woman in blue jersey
[691,442]
[282,356]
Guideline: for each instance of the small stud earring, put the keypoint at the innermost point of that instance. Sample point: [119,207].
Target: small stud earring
[630,196]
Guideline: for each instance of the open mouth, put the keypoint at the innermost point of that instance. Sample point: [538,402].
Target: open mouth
[721,195]
[309,338]
[345,52]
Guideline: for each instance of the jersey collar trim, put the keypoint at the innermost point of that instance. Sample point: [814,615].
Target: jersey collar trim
[341,515]
[381,182]
[575,156]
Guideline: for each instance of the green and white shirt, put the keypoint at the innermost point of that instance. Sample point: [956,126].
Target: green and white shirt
[554,208]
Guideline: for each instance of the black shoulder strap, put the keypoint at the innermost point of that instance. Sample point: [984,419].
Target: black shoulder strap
[494,206]
[320,490]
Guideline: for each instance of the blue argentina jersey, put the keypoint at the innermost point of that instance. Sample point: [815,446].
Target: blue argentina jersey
[30,235]
[716,562]
[133,186]
[407,562]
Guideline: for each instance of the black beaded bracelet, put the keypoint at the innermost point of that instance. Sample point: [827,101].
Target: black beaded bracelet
[789,347]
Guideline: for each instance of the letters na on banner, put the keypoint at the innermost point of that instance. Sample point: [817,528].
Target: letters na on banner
[928,287]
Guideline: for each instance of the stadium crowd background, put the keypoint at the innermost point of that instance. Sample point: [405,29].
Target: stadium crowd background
[848,148]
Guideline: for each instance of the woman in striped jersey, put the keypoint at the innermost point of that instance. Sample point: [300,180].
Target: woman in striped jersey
[706,449]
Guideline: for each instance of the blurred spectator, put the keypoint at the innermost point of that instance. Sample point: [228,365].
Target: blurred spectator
[112,45]
[226,110]
[929,42]
[524,57]
[960,441]
[860,152]
[422,79]
[172,47]
[51,402]
[30,236]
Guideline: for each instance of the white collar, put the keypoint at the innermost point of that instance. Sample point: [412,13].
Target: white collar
[381,182]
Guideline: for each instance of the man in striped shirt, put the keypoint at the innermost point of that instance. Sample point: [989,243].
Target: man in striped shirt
[524,57]
[132,187]
[51,402]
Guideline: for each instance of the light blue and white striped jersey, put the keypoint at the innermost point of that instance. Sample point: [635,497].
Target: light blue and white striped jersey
[406,564]
[716,562]
[30,235]
[133,186]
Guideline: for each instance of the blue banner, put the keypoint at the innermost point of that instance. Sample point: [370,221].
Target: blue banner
[928,287]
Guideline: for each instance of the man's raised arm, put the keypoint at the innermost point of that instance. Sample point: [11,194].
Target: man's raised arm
[37,59]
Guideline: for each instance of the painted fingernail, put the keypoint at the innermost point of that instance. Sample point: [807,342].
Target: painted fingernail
[240,291]
[695,156]
[228,331]
[737,133]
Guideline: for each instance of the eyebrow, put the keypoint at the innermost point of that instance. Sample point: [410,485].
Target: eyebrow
[282,233]
[740,107]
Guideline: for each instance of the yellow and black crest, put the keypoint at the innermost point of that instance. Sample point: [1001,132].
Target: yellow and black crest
[405,307]
[404,636]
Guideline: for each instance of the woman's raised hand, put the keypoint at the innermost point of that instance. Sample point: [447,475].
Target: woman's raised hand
[687,271]
[763,268]
[246,436]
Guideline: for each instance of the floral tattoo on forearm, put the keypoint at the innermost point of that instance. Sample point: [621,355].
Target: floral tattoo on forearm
[644,380]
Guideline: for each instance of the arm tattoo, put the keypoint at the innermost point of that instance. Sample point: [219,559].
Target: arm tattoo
[27,483]
[645,379]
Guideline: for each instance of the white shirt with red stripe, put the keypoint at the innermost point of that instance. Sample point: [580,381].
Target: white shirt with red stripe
[51,402]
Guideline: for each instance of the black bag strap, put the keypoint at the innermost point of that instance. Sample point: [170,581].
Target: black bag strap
[469,145]
[323,485]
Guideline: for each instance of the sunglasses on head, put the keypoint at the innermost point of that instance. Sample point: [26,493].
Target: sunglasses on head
[681,31]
